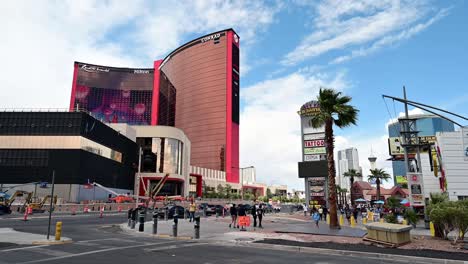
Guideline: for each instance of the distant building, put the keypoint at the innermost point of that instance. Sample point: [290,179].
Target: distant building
[347,159]
[279,190]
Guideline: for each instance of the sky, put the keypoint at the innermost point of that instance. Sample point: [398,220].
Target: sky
[289,49]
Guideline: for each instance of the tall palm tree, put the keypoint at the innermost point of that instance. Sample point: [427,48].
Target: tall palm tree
[351,174]
[334,110]
[378,175]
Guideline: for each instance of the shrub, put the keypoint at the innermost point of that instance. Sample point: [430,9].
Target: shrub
[411,217]
[391,218]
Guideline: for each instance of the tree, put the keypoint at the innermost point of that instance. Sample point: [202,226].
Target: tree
[378,175]
[351,174]
[334,110]
[228,191]
[269,194]
[220,191]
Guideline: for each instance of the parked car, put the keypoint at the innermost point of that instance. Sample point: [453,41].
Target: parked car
[210,209]
[172,210]
[247,207]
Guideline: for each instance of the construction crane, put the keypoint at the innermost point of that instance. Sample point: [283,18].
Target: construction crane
[119,198]
[6,201]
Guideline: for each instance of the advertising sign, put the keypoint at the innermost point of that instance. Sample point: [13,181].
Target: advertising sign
[417,199]
[315,157]
[395,148]
[415,181]
[317,194]
[310,108]
[319,150]
[314,143]
[314,136]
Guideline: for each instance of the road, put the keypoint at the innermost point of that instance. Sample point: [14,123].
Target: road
[96,240]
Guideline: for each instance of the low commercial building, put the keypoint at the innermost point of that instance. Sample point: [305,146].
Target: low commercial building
[279,190]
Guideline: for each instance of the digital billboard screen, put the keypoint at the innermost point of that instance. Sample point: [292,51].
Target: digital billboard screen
[313,169]
[115,95]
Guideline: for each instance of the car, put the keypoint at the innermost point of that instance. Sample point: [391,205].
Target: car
[210,209]
[172,210]
[247,207]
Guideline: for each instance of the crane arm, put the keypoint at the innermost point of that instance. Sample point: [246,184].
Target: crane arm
[105,188]
[159,186]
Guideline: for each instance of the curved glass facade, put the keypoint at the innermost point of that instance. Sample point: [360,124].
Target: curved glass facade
[161,155]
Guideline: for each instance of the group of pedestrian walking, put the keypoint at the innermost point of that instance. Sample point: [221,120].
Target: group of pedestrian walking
[257,211]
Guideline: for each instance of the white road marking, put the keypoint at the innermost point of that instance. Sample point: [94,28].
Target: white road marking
[50,252]
[94,252]
[22,248]
[95,240]
[175,246]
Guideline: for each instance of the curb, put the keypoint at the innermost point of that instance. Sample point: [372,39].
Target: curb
[52,242]
[379,256]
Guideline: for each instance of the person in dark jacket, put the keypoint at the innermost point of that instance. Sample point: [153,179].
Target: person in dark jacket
[254,214]
[260,213]
[233,212]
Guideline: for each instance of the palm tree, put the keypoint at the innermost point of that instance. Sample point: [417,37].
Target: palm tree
[378,175]
[351,174]
[334,110]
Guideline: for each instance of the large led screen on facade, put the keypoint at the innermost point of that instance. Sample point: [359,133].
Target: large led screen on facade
[114,95]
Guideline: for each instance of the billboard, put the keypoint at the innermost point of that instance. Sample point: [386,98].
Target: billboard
[114,95]
[319,150]
[395,148]
[315,157]
[313,169]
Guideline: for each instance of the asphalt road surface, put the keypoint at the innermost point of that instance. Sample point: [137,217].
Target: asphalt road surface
[96,240]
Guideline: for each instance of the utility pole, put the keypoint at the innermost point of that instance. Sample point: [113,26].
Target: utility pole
[405,128]
[51,202]
[137,184]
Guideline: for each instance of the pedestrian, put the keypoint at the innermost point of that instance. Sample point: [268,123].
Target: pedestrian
[305,209]
[233,212]
[347,212]
[260,213]
[241,212]
[254,214]
[325,212]
[192,209]
[316,218]
[355,213]
[320,211]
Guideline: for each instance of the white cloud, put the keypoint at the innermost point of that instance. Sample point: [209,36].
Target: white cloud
[390,40]
[41,39]
[270,127]
[339,25]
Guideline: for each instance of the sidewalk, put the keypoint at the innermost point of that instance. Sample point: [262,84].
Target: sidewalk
[283,228]
[8,235]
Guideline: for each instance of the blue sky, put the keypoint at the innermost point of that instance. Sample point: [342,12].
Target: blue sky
[289,49]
